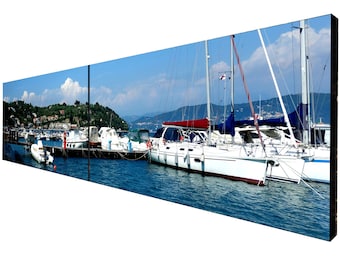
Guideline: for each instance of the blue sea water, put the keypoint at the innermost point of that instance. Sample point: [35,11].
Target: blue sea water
[291,207]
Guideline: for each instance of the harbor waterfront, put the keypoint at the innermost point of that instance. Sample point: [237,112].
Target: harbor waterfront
[297,208]
[89,123]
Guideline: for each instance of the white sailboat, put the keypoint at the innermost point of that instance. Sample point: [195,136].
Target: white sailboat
[317,158]
[318,167]
[299,160]
[187,145]
[286,168]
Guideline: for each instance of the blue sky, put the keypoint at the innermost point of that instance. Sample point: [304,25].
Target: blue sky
[168,79]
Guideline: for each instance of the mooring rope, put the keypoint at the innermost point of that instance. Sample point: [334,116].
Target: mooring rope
[301,175]
[138,158]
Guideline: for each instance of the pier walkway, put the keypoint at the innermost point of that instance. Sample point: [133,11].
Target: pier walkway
[91,152]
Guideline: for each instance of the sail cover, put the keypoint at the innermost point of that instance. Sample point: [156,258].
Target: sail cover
[196,123]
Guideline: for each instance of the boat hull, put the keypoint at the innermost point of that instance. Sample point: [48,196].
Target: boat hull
[317,171]
[40,155]
[76,144]
[208,160]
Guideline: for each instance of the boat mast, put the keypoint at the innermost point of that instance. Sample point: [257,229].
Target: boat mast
[232,81]
[304,84]
[248,95]
[285,114]
[208,89]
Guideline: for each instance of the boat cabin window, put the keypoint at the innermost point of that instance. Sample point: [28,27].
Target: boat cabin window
[172,134]
[159,133]
[248,136]
[196,136]
[272,134]
[143,135]
[318,136]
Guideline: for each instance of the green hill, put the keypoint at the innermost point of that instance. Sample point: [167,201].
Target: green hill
[21,114]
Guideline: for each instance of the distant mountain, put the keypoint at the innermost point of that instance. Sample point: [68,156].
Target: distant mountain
[133,118]
[266,108]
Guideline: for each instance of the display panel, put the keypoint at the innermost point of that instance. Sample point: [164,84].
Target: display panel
[131,98]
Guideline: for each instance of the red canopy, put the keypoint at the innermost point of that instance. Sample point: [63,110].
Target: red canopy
[197,123]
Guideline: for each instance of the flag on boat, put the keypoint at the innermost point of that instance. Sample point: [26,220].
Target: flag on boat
[223,77]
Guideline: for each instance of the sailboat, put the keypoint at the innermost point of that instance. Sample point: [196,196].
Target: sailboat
[317,158]
[318,167]
[288,168]
[187,145]
[315,155]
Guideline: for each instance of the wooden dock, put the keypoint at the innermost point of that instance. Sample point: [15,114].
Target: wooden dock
[92,152]
[96,153]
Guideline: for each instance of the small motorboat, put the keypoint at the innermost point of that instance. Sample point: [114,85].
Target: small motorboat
[75,138]
[40,154]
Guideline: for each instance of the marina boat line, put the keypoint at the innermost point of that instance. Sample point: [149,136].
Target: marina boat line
[110,139]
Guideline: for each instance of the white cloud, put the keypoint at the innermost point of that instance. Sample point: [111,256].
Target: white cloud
[102,95]
[28,97]
[126,97]
[138,97]
[155,93]
[72,91]
[7,99]
[218,69]
[69,92]
[284,55]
